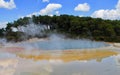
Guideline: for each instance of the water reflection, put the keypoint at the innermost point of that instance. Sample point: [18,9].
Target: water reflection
[55,66]
[8,63]
[117,60]
[69,55]
[68,62]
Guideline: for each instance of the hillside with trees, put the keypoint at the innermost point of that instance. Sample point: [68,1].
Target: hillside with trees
[71,26]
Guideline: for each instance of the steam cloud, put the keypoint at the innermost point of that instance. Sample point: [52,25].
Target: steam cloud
[58,42]
[33,29]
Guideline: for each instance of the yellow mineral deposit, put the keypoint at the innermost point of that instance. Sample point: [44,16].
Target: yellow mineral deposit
[70,55]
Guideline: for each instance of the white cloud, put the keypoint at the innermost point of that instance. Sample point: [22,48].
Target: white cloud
[3,24]
[45,0]
[50,8]
[112,14]
[82,7]
[7,4]
[118,5]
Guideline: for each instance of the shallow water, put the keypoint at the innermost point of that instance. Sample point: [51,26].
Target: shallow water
[70,62]
[64,44]
[98,64]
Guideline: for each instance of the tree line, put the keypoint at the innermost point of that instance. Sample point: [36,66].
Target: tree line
[69,25]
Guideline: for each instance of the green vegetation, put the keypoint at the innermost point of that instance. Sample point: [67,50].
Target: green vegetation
[69,25]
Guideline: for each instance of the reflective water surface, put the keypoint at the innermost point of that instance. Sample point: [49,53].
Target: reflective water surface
[63,44]
[68,62]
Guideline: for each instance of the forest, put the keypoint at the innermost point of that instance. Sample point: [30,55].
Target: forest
[69,25]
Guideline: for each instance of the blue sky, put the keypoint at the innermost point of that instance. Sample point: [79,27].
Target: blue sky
[11,10]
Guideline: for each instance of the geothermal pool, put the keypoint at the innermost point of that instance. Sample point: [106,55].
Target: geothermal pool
[64,44]
[60,60]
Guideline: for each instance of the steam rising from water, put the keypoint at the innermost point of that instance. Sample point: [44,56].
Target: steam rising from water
[33,29]
[58,42]
[55,41]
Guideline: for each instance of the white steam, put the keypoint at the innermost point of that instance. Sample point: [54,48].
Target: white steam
[33,29]
[58,42]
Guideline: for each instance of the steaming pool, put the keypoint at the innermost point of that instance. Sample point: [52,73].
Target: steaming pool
[64,44]
[60,59]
